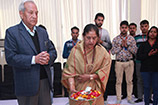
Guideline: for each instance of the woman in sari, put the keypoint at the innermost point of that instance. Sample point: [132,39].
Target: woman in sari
[88,65]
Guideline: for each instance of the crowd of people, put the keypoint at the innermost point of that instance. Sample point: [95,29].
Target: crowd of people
[126,48]
[30,52]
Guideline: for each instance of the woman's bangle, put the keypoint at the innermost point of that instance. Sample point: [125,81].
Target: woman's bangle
[71,83]
[91,77]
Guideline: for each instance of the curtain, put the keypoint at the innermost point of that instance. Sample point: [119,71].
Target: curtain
[149,11]
[58,16]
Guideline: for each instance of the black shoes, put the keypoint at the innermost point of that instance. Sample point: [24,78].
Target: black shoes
[150,101]
[123,97]
[141,100]
[138,100]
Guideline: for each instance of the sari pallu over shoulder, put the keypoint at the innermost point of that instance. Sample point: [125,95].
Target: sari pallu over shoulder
[76,65]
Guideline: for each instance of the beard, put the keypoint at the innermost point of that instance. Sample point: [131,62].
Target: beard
[74,38]
[123,32]
[98,25]
[132,33]
[144,31]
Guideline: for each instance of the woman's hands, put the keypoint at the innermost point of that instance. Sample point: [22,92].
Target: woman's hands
[86,77]
[152,52]
[72,88]
[72,85]
[83,78]
[80,78]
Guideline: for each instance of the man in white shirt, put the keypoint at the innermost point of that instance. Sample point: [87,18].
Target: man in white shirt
[104,40]
[103,33]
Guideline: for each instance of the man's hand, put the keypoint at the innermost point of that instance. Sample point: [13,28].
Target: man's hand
[124,43]
[42,58]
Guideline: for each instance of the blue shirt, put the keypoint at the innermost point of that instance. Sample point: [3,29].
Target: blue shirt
[67,47]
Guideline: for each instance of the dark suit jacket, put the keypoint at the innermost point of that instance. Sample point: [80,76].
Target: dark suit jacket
[19,49]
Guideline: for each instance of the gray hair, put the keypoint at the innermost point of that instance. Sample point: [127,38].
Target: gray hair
[21,6]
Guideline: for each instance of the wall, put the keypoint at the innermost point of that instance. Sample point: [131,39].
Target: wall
[135,12]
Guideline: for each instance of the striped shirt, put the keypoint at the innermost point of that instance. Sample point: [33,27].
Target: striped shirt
[140,38]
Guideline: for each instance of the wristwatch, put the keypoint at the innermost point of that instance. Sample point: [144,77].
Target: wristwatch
[91,77]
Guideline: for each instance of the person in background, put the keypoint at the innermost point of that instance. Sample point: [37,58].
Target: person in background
[42,26]
[51,68]
[132,29]
[29,51]
[104,38]
[141,38]
[68,46]
[148,55]
[132,32]
[71,43]
[88,65]
[124,47]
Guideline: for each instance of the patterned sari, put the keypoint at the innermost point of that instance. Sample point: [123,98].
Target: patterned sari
[76,65]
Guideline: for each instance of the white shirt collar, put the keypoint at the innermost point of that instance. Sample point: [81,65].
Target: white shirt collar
[31,33]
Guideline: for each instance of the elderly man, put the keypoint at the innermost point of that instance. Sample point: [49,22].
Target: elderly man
[29,51]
